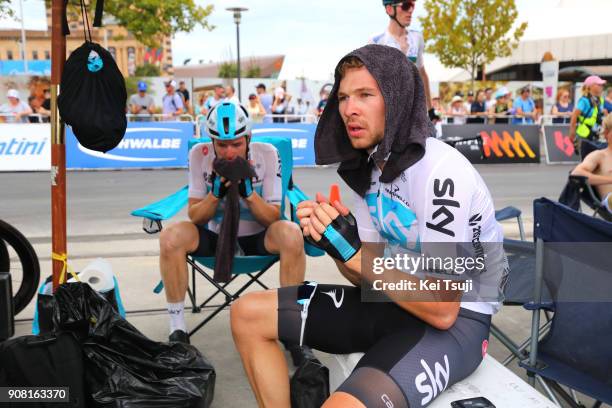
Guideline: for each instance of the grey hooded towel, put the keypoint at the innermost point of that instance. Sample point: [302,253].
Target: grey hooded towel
[407,124]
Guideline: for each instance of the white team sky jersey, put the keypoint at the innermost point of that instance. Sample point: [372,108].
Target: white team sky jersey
[416,44]
[268,183]
[441,198]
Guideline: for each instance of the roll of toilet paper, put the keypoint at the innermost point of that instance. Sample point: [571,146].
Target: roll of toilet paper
[98,274]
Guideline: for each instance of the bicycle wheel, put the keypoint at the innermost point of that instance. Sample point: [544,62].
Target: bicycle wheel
[19,258]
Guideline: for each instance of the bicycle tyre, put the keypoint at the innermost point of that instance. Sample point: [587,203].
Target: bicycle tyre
[30,267]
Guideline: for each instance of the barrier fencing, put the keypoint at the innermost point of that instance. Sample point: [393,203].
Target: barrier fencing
[158,140]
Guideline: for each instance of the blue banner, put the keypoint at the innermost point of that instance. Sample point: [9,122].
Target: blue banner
[145,145]
[17,67]
[301,135]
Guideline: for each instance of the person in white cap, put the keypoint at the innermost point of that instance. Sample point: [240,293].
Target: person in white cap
[457,110]
[172,103]
[586,119]
[15,110]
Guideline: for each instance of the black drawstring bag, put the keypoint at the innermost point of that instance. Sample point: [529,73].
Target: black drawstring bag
[93,95]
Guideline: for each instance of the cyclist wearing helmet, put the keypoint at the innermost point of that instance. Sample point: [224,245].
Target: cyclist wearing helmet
[409,41]
[260,231]
[412,194]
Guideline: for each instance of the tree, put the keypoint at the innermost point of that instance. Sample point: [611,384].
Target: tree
[469,34]
[253,71]
[228,70]
[151,20]
[5,9]
[147,70]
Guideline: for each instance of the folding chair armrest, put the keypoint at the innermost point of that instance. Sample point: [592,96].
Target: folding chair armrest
[539,306]
[507,213]
[165,208]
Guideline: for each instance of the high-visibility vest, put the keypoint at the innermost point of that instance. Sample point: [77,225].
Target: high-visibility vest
[586,124]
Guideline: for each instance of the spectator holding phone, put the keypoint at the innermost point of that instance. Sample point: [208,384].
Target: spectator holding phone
[141,103]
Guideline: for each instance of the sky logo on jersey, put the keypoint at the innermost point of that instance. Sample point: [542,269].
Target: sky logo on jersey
[394,220]
[145,145]
[443,216]
[432,383]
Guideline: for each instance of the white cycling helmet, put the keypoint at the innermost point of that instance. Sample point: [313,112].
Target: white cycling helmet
[228,121]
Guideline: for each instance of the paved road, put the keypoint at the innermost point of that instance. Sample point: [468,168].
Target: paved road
[99,202]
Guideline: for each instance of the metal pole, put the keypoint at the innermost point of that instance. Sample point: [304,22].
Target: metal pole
[23,40]
[238,64]
[58,148]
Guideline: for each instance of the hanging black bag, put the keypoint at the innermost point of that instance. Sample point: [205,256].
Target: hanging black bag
[93,95]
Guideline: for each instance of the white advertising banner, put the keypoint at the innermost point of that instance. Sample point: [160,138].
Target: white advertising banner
[550,78]
[25,147]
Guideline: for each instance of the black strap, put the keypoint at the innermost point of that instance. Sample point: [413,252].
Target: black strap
[99,10]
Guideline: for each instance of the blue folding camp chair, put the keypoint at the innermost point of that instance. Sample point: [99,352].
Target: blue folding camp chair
[573,263]
[252,266]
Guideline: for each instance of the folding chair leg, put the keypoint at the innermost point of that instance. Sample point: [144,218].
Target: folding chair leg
[549,392]
[508,343]
[561,392]
[209,279]
[260,283]
[519,219]
[194,301]
[523,346]
[211,297]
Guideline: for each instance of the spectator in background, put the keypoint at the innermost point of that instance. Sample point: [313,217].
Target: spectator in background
[489,99]
[525,108]
[39,114]
[469,100]
[323,101]
[140,103]
[255,109]
[501,106]
[586,118]
[172,102]
[457,111]
[608,101]
[478,108]
[438,110]
[216,97]
[280,104]
[15,110]
[47,102]
[200,107]
[563,108]
[184,93]
[230,94]
[266,101]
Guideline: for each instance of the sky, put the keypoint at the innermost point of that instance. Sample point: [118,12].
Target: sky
[315,34]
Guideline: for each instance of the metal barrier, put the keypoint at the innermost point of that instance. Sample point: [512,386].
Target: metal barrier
[291,118]
[30,118]
[158,117]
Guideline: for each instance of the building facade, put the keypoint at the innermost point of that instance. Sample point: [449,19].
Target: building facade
[128,52]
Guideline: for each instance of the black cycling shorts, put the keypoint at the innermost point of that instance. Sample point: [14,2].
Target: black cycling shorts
[250,244]
[407,363]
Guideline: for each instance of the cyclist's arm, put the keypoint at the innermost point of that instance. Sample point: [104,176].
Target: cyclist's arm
[587,169]
[266,207]
[265,213]
[202,204]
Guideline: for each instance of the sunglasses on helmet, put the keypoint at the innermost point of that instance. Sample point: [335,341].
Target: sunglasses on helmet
[405,5]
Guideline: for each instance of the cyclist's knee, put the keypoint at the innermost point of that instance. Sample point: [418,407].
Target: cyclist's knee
[254,315]
[175,238]
[285,236]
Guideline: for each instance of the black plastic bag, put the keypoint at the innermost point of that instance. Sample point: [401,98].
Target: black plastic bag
[43,318]
[92,97]
[310,383]
[123,367]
